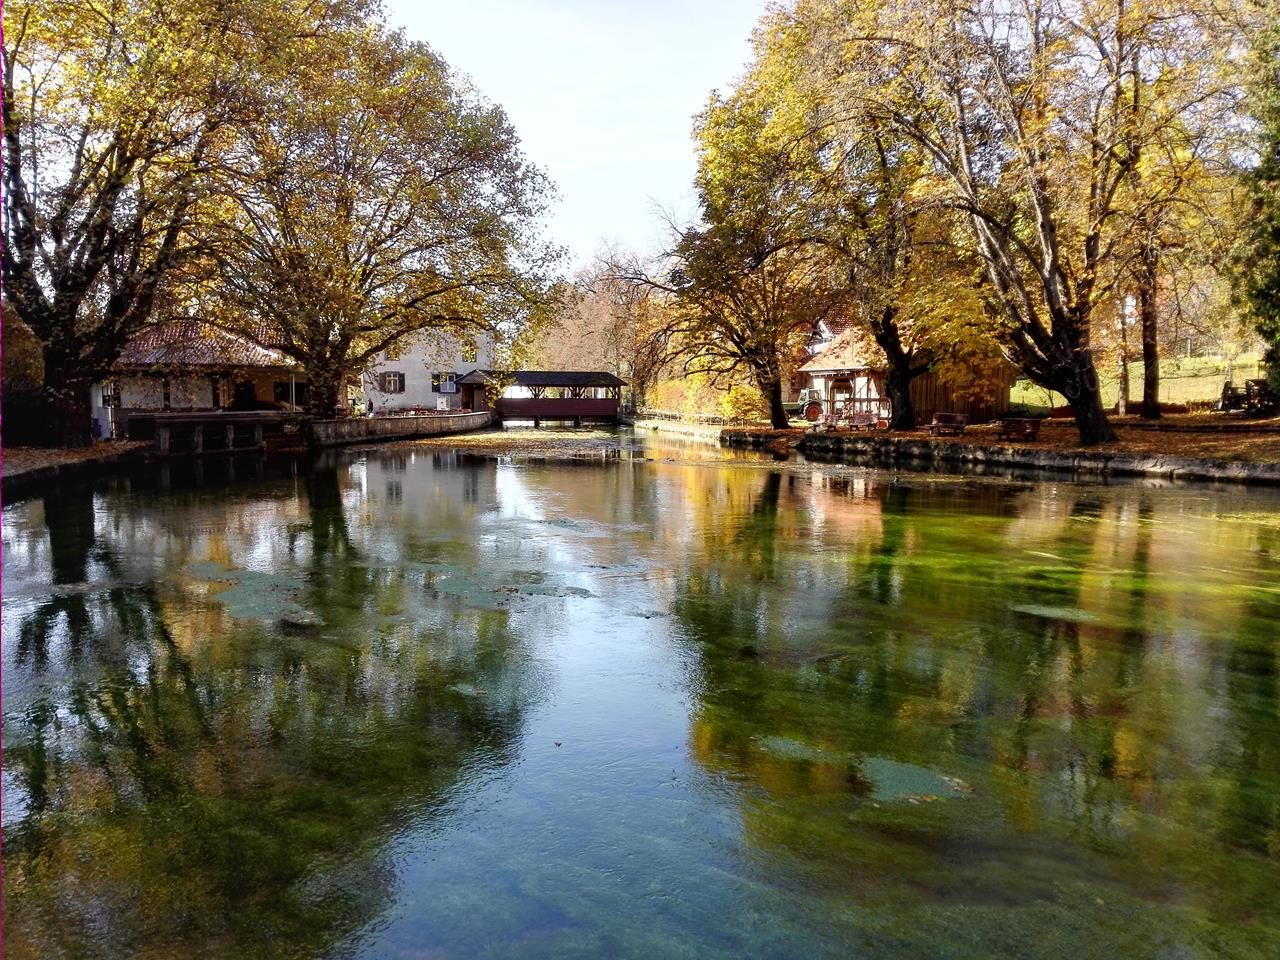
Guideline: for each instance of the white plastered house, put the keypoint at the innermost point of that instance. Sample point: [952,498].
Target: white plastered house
[422,376]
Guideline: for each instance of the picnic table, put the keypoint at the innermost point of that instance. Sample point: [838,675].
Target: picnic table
[951,423]
[1019,428]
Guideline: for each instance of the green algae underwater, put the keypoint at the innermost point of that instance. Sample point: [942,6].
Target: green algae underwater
[653,701]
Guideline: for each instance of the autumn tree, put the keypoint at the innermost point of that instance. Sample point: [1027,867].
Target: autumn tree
[114,115]
[1258,259]
[838,179]
[601,322]
[1025,113]
[375,203]
[738,303]
[1181,97]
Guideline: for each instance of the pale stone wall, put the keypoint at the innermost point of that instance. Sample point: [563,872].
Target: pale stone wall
[325,433]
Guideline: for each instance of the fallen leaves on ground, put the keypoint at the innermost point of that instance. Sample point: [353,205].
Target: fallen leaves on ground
[25,459]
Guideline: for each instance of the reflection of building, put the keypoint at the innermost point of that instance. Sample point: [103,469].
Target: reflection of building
[424,375]
[189,365]
[847,370]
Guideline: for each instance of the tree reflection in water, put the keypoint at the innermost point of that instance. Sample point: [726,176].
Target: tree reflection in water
[190,782]
[1038,650]
[803,711]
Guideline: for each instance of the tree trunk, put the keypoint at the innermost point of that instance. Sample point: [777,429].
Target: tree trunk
[897,384]
[898,377]
[64,404]
[777,412]
[1150,327]
[1122,394]
[1084,392]
[322,393]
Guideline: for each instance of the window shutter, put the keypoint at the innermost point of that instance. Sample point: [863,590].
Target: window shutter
[435,383]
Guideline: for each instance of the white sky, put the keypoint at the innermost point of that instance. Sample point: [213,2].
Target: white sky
[602,93]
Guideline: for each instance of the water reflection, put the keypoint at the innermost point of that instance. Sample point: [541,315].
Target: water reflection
[1099,675]
[186,776]
[416,702]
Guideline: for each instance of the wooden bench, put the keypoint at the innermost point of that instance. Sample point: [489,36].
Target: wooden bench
[863,421]
[952,423]
[1019,428]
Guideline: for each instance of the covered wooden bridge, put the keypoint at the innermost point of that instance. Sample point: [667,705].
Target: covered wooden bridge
[577,396]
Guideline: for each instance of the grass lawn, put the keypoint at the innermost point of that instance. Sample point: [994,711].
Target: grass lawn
[1182,380]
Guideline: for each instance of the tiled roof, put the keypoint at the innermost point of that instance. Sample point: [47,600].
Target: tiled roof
[851,350]
[190,343]
[549,378]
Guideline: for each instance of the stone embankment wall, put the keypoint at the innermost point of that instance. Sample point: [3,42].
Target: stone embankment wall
[329,433]
[1081,464]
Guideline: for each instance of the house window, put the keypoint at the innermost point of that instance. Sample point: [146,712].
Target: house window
[391,382]
[444,383]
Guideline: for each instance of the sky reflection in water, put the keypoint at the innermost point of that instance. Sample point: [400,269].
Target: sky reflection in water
[411,703]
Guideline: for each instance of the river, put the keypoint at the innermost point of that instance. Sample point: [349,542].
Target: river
[654,700]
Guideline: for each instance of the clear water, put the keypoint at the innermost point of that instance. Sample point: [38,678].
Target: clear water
[662,702]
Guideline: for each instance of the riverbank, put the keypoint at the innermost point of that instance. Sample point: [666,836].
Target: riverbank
[25,466]
[700,431]
[1176,451]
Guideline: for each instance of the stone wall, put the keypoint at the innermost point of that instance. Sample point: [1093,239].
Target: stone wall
[327,433]
[1022,462]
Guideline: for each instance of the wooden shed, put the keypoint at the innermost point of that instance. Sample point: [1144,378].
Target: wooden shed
[846,372]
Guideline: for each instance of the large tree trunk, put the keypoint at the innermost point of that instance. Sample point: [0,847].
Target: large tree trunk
[1085,394]
[64,403]
[1150,327]
[897,384]
[777,412]
[323,387]
[900,373]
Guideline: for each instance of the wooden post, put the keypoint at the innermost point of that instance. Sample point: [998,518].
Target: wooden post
[231,437]
[197,439]
[257,436]
[162,437]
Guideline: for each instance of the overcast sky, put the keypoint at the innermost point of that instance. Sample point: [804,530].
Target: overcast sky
[602,92]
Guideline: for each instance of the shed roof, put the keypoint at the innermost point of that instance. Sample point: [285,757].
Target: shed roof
[192,343]
[548,378]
